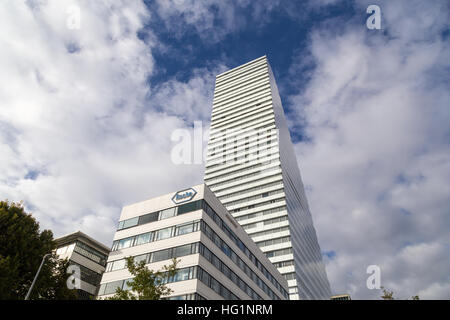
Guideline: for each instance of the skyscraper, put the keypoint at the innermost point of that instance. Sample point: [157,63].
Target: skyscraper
[252,168]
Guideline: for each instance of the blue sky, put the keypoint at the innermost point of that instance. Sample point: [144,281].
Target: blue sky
[88,111]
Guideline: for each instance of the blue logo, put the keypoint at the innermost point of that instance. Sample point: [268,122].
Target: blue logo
[184,196]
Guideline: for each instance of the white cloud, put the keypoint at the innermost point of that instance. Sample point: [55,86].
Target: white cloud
[377,163]
[77,133]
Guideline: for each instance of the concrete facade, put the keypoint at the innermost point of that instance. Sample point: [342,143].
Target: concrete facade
[217,259]
[252,168]
[89,255]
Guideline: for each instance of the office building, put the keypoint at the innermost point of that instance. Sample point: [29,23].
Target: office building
[344,296]
[87,254]
[252,168]
[217,259]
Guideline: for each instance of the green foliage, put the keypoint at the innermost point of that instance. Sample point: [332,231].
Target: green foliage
[22,247]
[389,295]
[146,284]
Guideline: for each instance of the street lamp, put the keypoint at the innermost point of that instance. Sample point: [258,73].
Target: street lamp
[36,276]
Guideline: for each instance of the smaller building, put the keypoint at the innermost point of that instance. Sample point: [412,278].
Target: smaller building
[217,259]
[89,255]
[344,296]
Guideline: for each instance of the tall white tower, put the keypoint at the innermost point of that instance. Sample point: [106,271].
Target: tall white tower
[252,169]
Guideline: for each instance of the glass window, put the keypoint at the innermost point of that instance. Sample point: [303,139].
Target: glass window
[182,274]
[111,287]
[164,233]
[130,223]
[125,243]
[182,251]
[142,257]
[151,217]
[167,213]
[125,284]
[215,285]
[118,264]
[143,238]
[187,228]
[188,207]
[161,255]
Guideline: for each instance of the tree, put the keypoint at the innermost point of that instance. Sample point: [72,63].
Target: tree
[389,295]
[22,247]
[146,284]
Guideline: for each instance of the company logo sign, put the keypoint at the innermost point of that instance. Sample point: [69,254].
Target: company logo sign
[184,196]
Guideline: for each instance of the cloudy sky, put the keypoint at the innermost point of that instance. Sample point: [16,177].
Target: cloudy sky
[91,92]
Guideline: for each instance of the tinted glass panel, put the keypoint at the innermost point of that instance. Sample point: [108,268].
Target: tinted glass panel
[148,218]
[188,207]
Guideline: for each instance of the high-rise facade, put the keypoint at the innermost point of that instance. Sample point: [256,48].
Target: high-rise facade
[252,168]
[216,257]
[88,256]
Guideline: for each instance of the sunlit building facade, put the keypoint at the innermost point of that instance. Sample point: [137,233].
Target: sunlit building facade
[216,258]
[251,167]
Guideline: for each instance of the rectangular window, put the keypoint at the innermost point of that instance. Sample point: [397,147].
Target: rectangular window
[182,274]
[118,265]
[183,229]
[142,257]
[143,238]
[151,217]
[111,287]
[164,233]
[167,213]
[182,251]
[189,207]
[130,223]
[161,255]
[125,243]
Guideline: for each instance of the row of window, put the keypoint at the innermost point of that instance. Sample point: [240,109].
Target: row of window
[240,137]
[190,296]
[277,253]
[87,275]
[156,256]
[185,250]
[188,273]
[159,215]
[246,176]
[232,236]
[266,222]
[245,158]
[212,283]
[247,113]
[238,262]
[264,179]
[268,232]
[192,227]
[248,139]
[90,253]
[223,136]
[188,249]
[224,103]
[258,165]
[257,214]
[289,276]
[241,152]
[249,190]
[180,275]
[255,197]
[253,119]
[156,235]
[283,264]
[272,242]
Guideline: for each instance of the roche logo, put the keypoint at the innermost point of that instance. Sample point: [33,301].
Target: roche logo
[184,196]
